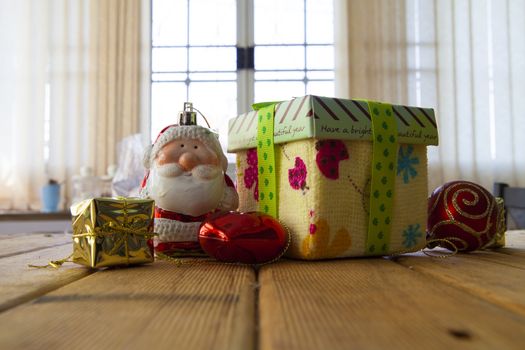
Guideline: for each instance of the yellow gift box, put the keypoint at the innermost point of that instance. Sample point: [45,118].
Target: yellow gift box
[113,232]
[348,178]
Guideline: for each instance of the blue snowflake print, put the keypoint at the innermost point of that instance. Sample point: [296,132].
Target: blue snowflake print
[406,163]
[411,235]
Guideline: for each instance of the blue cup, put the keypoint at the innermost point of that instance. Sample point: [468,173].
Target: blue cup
[50,198]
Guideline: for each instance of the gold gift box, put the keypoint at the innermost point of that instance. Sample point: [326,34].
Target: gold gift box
[113,232]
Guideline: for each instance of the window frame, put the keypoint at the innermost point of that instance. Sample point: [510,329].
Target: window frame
[245,49]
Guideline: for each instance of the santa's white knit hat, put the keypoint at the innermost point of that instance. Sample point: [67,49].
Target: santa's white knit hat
[173,132]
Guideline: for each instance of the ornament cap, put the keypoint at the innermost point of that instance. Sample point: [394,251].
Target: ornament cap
[188,116]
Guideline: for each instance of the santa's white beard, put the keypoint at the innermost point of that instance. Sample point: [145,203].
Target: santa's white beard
[194,193]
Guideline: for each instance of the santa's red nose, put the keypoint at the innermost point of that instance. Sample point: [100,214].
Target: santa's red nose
[188,161]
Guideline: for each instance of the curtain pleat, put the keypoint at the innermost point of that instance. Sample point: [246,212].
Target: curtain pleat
[376,44]
[464,58]
[116,91]
[70,88]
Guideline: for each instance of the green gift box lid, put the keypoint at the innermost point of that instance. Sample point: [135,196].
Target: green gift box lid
[331,118]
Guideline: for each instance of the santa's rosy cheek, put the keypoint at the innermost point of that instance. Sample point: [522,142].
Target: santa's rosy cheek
[211,160]
[167,156]
[207,157]
[161,158]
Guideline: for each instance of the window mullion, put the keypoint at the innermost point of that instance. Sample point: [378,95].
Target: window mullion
[245,45]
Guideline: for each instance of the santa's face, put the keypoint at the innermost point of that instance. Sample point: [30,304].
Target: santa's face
[187,153]
[186,178]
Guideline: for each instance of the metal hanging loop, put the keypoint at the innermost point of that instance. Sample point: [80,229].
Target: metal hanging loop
[188,116]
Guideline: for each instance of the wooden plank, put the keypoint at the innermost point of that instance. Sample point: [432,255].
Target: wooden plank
[489,278]
[375,304]
[20,283]
[514,246]
[495,256]
[25,243]
[512,251]
[199,304]
[488,255]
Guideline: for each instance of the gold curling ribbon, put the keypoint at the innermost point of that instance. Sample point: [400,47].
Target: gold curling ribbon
[432,243]
[53,263]
[168,258]
[447,240]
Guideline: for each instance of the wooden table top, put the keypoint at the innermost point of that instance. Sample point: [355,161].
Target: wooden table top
[468,301]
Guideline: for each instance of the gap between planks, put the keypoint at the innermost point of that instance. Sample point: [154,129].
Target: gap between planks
[244,341]
[491,275]
[20,283]
[26,243]
[496,276]
[493,281]
[195,305]
[375,303]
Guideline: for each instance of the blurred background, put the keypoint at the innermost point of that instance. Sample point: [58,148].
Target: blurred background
[86,84]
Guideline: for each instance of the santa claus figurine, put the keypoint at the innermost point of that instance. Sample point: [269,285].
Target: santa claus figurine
[186,178]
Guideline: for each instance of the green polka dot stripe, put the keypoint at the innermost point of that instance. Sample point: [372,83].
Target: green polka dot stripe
[384,154]
[266,160]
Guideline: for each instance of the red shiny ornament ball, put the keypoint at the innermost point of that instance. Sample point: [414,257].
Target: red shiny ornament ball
[249,238]
[463,213]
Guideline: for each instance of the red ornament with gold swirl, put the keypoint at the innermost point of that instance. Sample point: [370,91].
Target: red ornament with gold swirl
[463,213]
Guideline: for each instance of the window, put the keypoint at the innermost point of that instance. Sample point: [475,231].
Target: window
[294,53]
[223,55]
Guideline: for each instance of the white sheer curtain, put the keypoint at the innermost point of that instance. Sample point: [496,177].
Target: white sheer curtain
[465,58]
[73,77]
[23,95]
[371,50]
